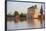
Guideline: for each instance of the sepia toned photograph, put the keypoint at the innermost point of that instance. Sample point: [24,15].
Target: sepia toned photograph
[25,15]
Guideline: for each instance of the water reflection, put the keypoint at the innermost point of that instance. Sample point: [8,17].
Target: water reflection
[36,23]
[24,25]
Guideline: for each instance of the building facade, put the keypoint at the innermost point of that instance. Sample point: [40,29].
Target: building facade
[31,12]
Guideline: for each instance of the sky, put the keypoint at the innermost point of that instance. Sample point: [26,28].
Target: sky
[21,7]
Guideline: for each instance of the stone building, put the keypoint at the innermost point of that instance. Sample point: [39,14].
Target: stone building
[31,12]
[33,16]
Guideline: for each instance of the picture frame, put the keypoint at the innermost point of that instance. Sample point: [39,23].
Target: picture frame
[6,4]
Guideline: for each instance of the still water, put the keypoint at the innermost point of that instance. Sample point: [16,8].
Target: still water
[12,26]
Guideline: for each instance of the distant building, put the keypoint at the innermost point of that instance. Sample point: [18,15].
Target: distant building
[32,12]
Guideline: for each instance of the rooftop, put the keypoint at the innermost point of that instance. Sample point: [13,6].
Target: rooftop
[33,7]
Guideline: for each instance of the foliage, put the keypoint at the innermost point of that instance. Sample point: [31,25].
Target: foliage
[16,13]
[22,17]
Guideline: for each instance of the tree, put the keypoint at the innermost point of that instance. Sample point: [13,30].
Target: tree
[9,14]
[16,13]
[41,10]
[22,15]
[35,6]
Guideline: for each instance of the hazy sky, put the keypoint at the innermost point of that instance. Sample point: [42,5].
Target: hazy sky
[21,7]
